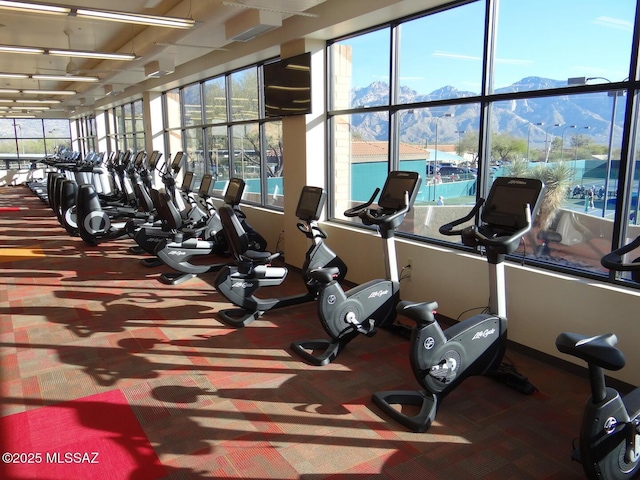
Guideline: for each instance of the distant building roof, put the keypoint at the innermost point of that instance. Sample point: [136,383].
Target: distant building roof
[373,151]
[445,155]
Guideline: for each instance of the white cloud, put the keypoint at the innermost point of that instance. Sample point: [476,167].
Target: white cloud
[616,23]
[459,56]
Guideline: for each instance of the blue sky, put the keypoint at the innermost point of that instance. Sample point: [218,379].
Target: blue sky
[555,39]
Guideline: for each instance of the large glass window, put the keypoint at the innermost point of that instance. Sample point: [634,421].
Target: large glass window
[435,114]
[541,44]
[436,61]
[233,138]
[247,158]
[360,64]
[23,140]
[360,158]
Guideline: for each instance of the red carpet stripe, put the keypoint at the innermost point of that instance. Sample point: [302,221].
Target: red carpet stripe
[95,437]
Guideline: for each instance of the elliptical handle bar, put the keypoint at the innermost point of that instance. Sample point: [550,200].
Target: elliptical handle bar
[613,260]
[369,219]
[447,229]
[355,211]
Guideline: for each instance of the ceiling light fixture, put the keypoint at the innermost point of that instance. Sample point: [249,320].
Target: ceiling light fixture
[58,52]
[48,92]
[13,75]
[108,15]
[64,78]
[25,50]
[60,78]
[139,19]
[23,108]
[35,8]
[32,100]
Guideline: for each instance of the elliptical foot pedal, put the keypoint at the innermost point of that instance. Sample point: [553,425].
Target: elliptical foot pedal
[151,262]
[136,250]
[419,422]
[238,317]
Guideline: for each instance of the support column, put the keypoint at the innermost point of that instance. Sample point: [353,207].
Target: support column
[304,148]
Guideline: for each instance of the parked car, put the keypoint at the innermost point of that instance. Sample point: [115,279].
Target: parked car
[459,173]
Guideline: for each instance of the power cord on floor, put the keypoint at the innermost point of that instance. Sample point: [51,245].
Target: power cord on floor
[509,375]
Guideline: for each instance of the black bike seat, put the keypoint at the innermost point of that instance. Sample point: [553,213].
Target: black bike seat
[324,275]
[599,350]
[421,313]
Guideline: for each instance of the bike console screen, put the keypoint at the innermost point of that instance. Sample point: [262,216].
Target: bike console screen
[505,205]
[392,196]
[310,203]
[205,186]
[235,189]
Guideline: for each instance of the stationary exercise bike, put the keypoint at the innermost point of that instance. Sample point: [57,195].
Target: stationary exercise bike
[364,308]
[253,270]
[609,443]
[441,360]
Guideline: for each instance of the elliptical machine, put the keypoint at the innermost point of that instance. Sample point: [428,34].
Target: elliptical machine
[609,442]
[441,360]
[239,283]
[364,308]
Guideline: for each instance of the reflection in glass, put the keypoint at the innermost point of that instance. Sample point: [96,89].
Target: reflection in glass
[194,152]
[244,94]
[215,100]
[192,105]
[219,158]
[246,159]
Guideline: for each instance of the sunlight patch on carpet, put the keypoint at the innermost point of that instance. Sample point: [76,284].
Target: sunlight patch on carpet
[14,254]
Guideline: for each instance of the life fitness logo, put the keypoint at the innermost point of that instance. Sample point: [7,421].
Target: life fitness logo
[484,333]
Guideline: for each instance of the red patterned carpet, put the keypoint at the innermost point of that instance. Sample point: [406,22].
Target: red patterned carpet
[214,402]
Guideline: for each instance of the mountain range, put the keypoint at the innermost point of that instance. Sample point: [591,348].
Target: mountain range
[519,118]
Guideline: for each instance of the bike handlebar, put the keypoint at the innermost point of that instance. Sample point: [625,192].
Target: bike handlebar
[447,229]
[355,211]
[473,231]
[311,230]
[368,218]
[505,239]
[613,260]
